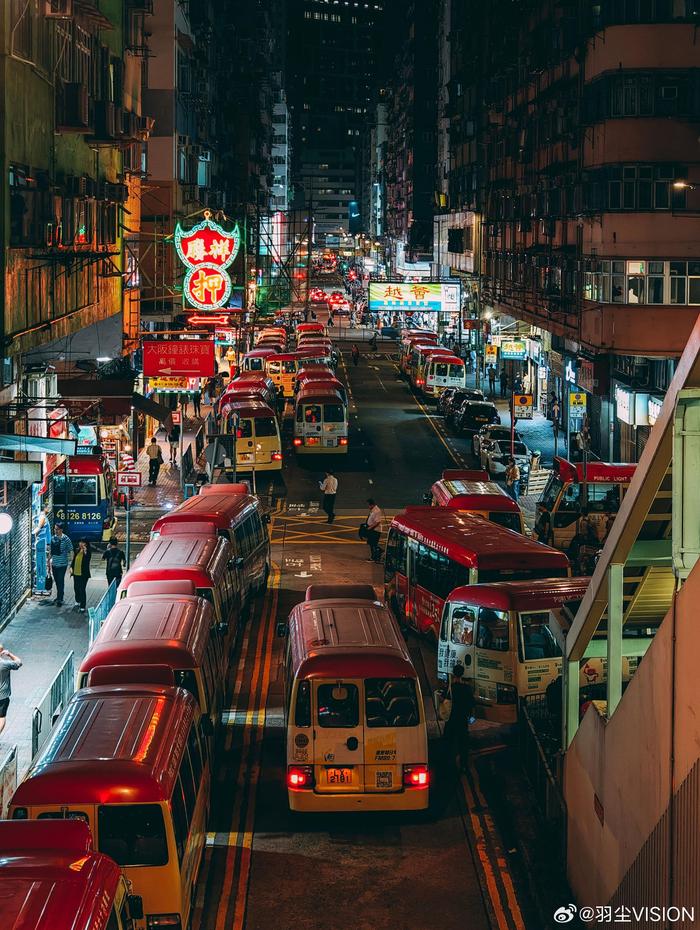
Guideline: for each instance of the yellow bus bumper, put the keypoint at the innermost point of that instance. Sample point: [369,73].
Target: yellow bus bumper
[246,467]
[414,799]
[320,450]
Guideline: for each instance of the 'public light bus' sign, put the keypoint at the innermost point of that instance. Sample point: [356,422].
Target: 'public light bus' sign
[206,251]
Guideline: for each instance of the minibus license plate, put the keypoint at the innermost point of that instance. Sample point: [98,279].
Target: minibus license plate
[246,456]
[313,441]
[339,776]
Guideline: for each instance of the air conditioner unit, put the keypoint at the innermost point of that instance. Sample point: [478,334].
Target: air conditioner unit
[73,108]
[58,9]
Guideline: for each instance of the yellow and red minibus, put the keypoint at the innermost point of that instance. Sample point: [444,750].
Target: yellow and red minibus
[320,420]
[258,440]
[129,762]
[355,723]
[484,498]
[419,365]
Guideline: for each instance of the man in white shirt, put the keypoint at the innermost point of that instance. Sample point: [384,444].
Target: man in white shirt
[374,530]
[329,486]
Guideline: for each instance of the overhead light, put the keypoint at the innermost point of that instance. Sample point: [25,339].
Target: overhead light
[683,186]
[103,358]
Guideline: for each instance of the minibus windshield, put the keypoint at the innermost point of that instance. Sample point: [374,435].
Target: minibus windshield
[82,489]
[265,426]
[132,834]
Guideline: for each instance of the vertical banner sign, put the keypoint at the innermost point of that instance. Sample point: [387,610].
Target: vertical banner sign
[577,404]
[206,251]
[522,406]
[490,354]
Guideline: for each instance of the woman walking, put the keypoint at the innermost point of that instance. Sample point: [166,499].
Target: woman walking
[80,570]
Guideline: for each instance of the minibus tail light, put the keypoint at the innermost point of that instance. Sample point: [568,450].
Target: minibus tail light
[276,456]
[343,440]
[300,777]
[416,776]
[171,921]
[297,441]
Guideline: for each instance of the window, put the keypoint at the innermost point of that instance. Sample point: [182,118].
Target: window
[395,553]
[289,368]
[391,702]
[441,370]
[338,705]
[463,620]
[312,413]
[60,815]
[83,490]
[180,823]
[245,429]
[456,371]
[302,710]
[185,678]
[265,426]
[132,834]
[333,413]
[492,629]
[511,521]
[538,640]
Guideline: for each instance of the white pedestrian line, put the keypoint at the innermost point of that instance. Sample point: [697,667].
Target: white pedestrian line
[315,563]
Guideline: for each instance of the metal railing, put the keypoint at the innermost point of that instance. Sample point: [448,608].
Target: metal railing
[98,614]
[52,703]
[8,780]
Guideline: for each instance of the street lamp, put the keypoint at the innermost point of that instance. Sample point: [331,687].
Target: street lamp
[683,186]
[6,524]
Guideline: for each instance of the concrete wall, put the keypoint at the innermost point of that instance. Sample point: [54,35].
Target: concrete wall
[618,777]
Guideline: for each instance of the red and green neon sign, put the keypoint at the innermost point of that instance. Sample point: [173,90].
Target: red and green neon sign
[206,251]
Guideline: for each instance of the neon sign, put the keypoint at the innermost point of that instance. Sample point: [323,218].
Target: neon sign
[206,251]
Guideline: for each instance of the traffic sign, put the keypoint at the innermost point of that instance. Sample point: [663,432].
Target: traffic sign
[128,479]
[577,404]
[522,406]
[184,357]
[490,353]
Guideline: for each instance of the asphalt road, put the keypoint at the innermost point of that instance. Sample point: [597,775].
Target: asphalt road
[266,868]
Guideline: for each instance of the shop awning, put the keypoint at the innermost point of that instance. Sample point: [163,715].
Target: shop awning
[163,414]
[111,399]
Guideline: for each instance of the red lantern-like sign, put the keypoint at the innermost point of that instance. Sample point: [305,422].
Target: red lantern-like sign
[206,251]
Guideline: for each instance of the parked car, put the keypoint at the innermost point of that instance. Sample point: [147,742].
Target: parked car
[341,308]
[445,400]
[482,440]
[499,453]
[473,414]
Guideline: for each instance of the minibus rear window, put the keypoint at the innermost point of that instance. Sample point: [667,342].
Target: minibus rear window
[456,371]
[511,521]
[62,815]
[83,490]
[132,834]
[333,413]
[185,678]
[391,702]
[245,429]
[265,426]
[312,413]
[338,705]
[302,712]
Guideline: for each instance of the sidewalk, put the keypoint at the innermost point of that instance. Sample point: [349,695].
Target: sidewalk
[167,492]
[42,635]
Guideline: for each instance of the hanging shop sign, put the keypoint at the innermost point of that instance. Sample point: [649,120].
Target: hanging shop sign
[513,349]
[206,251]
[168,384]
[654,405]
[577,404]
[522,406]
[490,354]
[225,337]
[181,357]
[585,377]
[426,297]
[128,479]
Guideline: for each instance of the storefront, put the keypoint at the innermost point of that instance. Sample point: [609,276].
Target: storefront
[631,423]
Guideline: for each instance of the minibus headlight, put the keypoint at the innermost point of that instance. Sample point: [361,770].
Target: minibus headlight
[416,776]
[506,694]
[300,777]
[171,921]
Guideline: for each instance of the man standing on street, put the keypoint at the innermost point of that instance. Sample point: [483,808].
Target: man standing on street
[513,479]
[61,557]
[155,460]
[456,733]
[492,380]
[8,663]
[329,486]
[116,560]
[374,530]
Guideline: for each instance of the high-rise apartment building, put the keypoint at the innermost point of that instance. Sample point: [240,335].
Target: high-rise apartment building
[332,72]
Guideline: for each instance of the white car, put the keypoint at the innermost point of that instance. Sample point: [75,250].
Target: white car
[482,440]
[497,456]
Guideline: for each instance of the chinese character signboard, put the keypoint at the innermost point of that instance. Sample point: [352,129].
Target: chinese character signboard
[128,479]
[490,354]
[513,349]
[422,297]
[577,404]
[206,251]
[178,357]
[522,406]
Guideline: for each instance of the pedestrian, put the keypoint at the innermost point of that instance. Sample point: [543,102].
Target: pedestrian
[355,352]
[115,561]
[155,460]
[42,541]
[281,401]
[373,342]
[80,570]
[504,382]
[456,733]
[472,360]
[8,663]
[61,555]
[491,372]
[513,478]
[518,384]
[375,519]
[329,486]
[173,442]
[543,525]
[331,321]
[197,403]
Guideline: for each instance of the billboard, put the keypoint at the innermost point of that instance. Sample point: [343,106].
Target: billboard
[420,297]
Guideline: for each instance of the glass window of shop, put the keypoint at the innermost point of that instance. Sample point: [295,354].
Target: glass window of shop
[643,282]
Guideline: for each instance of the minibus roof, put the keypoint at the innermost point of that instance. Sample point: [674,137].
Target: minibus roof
[112,745]
[474,542]
[347,638]
[318,391]
[315,372]
[197,558]
[222,510]
[236,487]
[262,352]
[51,879]
[250,407]
[232,401]
[160,630]
[595,472]
[522,595]
[84,465]
[448,359]
[473,495]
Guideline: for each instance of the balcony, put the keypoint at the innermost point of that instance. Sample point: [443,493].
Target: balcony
[637,329]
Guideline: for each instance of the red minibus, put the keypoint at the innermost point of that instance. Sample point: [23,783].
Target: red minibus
[355,721]
[485,498]
[302,328]
[442,371]
[420,364]
[204,560]
[255,360]
[235,517]
[320,420]
[128,761]
[412,357]
[407,345]
[599,487]
[251,382]
[179,632]
[52,879]
[433,550]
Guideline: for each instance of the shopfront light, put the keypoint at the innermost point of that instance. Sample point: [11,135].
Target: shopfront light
[6,523]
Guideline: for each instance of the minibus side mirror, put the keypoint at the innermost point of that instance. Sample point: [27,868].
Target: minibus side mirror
[223,628]
[266,518]
[282,628]
[207,726]
[238,562]
[427,497]
[135,903]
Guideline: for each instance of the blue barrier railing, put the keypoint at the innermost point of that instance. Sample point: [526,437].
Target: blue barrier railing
[97,615]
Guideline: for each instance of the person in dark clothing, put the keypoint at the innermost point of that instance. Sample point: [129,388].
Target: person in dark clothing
[173,442]
[80,570]
[457,727]
[115,561]
[504,383]
[543,525]
[197,402]
[281,401]
[355,352]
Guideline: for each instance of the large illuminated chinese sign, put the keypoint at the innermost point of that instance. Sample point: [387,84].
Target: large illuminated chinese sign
[421,297]
[206,251]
